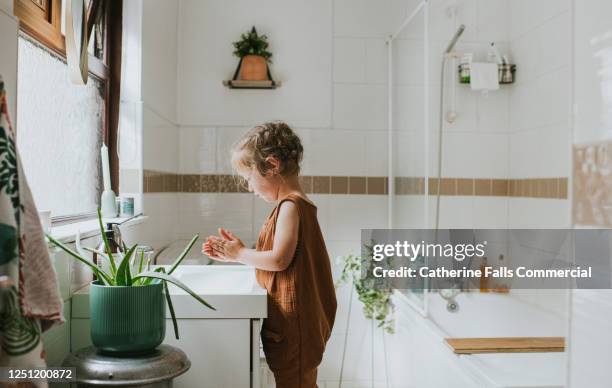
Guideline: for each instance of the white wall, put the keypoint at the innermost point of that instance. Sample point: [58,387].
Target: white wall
[540,102]
[331,59]
[149,131]
[590,339]
[476,144]
[299,36]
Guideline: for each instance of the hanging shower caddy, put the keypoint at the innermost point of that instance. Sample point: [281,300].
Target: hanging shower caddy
[507,73]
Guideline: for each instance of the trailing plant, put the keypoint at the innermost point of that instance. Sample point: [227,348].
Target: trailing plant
[376,299]
[251,43]
[127,273]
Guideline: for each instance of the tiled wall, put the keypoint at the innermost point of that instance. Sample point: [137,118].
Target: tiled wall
[334,97]
[554,188]
[160,133]
[339,99]
[540,105]
[590,340]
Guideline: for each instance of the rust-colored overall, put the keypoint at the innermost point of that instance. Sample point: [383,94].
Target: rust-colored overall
[301,301]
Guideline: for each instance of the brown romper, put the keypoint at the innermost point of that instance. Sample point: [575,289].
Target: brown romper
[301,301]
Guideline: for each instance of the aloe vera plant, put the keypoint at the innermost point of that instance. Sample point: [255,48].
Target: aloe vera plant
[123,275]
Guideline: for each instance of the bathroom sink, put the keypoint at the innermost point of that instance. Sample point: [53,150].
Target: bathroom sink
[231,289]
[210,280]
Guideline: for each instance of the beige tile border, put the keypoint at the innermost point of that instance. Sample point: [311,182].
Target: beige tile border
[156,182]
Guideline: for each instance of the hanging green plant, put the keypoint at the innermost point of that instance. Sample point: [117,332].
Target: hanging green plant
[377,303]
[251,43]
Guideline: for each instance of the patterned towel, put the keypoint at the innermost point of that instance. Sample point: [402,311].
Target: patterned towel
[30,301]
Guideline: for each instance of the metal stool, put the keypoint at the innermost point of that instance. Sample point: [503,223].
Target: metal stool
[155,369]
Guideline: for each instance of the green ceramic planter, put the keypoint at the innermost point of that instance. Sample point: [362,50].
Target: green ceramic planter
[127,319]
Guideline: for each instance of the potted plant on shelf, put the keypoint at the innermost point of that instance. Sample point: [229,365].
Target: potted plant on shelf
[126,302]
[254,56]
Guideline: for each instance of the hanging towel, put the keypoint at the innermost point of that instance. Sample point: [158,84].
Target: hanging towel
[484,76]
[30,302]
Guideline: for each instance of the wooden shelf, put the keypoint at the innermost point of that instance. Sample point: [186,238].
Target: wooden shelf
[239,84]
[506,345]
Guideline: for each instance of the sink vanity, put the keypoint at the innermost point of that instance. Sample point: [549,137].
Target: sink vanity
[214,341]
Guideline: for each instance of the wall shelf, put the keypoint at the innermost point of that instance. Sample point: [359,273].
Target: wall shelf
[240,84]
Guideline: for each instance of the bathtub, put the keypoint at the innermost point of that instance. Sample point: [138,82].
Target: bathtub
[170,252]
[431,362]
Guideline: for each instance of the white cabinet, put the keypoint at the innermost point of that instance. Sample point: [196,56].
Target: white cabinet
[222,345]
[220,350]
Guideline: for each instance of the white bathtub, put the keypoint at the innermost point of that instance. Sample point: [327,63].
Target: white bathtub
[433,364]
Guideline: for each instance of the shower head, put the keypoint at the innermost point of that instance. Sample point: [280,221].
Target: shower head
[458,34]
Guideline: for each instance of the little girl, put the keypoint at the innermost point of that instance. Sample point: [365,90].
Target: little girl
[290,257]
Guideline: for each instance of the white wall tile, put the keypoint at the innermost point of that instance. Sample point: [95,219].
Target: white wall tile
[538,213]
[465,103]
[131,135]
[410,211]
[159,56]
[410,150]
[302,61]
[440,25]
[349,60]
[522,17]
[310,150]
[162,225]
[360,106]
[338,152]
[554,39]
[475,155]
[525,51]
[205,213]
[226,138]
[592,71]
[553,105]
[542,152]
[490,213]
[345,223]
[466,12]
[492,20]
[547,9]
[367,18]
[376,61]
[376,155]
[493,112]
[408,63]
[197,150]
[524,105]
[455,212]
[161,139]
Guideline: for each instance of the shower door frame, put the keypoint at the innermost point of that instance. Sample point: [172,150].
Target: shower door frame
[424,7]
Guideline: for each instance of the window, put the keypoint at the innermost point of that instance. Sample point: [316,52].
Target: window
[61,126]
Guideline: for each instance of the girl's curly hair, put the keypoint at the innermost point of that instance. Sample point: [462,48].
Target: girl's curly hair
[275,139]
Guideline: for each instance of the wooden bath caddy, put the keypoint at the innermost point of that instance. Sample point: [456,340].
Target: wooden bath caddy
[506,345]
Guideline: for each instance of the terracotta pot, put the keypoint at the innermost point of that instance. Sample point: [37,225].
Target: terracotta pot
[253,68]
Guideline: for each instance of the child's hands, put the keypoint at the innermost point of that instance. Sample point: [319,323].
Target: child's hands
[224,248]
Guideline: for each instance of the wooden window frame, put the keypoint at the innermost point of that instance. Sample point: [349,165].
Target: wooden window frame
[41,19]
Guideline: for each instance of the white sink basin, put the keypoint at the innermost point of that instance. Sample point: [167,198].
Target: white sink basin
[231,289]
[213,280]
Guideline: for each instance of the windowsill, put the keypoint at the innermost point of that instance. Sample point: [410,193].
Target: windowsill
[89,228]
